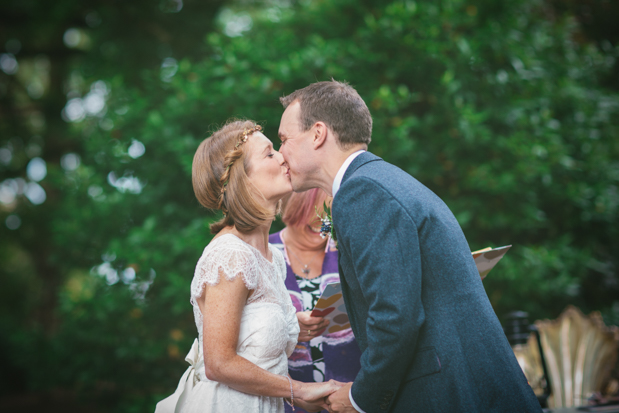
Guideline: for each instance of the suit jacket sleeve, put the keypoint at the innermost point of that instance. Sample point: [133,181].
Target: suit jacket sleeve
[382,238]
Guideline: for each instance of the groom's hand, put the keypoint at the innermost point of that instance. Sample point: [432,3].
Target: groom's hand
[340,402]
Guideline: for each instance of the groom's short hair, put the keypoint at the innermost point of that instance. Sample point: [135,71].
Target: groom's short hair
[339,106]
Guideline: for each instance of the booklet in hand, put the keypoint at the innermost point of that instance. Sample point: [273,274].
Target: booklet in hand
[331,306]
[487,258]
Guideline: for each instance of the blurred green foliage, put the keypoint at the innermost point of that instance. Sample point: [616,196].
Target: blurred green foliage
[502,108]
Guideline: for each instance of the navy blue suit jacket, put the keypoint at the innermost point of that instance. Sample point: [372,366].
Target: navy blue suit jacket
[429,337]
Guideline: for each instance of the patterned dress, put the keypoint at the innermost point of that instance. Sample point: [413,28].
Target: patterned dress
[329,356]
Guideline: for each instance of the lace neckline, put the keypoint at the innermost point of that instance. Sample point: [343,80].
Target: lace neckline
[256,250]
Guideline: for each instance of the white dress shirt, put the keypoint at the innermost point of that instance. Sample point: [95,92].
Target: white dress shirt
[336,187]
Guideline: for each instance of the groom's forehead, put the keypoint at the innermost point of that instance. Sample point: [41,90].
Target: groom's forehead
[291,115]
[287,129]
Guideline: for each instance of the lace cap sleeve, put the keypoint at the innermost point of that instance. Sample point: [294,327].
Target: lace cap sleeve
[228,256]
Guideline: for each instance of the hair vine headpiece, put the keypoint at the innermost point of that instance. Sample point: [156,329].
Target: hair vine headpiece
[226,174]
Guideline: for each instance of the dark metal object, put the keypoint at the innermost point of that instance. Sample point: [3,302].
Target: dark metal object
[517,329]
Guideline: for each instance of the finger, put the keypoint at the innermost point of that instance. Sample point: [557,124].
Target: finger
[319,332]
[319,326]
[305,318]
[315,326]
[313,320]
[323,405]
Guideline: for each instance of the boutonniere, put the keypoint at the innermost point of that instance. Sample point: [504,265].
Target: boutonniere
[327,228]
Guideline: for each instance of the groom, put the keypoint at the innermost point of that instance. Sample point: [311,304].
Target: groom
[429,337]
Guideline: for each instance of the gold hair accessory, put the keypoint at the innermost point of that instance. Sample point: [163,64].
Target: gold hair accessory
[246,133]
[242,140]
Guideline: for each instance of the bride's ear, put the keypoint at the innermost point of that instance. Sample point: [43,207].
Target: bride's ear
[320,132]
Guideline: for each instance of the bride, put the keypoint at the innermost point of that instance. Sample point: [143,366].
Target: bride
[247,326]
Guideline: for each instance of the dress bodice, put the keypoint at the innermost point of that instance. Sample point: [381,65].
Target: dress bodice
[269,328]
[267,335]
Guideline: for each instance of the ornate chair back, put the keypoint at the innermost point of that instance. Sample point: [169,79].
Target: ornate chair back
[580,354]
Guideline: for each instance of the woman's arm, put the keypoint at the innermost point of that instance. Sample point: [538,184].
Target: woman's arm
[224,305]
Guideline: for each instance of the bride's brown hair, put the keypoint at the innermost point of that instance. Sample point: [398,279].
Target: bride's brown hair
[220,181]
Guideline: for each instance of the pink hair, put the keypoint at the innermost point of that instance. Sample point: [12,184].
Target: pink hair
[299,208]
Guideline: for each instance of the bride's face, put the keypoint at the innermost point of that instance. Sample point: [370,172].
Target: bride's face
[267,169]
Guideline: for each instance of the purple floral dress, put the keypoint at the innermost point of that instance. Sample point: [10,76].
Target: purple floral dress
[330,356]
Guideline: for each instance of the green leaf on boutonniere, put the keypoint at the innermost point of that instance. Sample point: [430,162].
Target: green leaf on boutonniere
[327,228]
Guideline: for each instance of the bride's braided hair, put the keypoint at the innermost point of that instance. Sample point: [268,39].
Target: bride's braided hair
[220,181]
[229,160]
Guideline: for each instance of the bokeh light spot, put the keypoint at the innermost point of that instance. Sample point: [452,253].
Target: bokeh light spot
[13,46]
[235,24]
[74,110]
[8,191]
[36,169]
[128,275]
[72,37]
[5,156]
[8,63]
[136,149]
[169,67]
[171,6]
[35,193]
[13,222]
[70,161]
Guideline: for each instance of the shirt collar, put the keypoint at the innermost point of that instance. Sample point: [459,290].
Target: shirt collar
[340,174]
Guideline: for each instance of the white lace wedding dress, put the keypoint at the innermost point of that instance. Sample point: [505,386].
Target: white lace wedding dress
[267,336]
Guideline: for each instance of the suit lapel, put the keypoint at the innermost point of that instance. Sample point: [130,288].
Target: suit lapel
[344,261]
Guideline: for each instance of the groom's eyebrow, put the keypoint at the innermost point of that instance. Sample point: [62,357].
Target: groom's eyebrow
[281,135]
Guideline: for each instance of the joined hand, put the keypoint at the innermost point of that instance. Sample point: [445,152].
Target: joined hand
[339,401]
[313,396]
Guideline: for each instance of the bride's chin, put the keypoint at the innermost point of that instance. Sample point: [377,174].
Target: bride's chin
[284,192]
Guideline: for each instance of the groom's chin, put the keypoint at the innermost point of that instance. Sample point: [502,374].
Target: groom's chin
[297,185]
[299,189]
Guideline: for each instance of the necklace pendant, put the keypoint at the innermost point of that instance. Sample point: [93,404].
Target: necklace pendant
[306,270]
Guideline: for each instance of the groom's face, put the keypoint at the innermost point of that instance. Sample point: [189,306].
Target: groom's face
[296,147]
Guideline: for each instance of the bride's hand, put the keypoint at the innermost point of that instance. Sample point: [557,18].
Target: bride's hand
[315,393]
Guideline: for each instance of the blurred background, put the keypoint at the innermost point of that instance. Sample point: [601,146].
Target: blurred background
[508,110]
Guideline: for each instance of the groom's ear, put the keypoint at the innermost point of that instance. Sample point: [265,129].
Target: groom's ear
[320,134]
